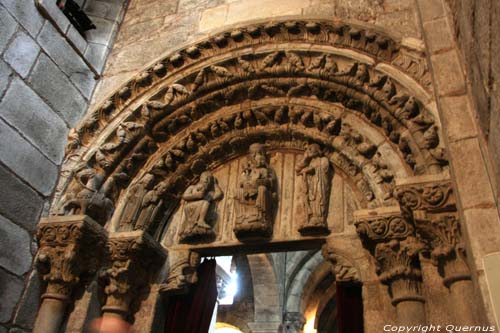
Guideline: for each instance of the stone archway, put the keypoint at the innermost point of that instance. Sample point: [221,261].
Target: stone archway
[353,99]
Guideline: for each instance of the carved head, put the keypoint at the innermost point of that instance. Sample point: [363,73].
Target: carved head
[258,154]
[206,178]
[313,150]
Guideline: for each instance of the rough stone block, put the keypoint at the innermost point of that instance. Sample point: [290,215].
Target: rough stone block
[50,8]
[15,255]
[404,21]
[105,32]
[22,53]
[11,288]
[439,35]
[96,54]
[472,178]
[5,76]
[67,59]
[28,306]
[26,14]
[431,9]
[448,73]
[34,119]
[9,27]
[18,202]
[60,93]
[457,114]
[26,161]
[248,10]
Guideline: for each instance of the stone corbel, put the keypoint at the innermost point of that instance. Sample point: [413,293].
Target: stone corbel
[134,259]
[294,322]
[182,272]
[342,269]
[70,252]
[390,237]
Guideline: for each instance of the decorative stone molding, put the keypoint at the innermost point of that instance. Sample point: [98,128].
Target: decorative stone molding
[390,237]
[134,258]
[70,251]
[182,272]
[430,197]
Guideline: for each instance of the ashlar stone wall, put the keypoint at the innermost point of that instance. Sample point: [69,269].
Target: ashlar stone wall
[48,73]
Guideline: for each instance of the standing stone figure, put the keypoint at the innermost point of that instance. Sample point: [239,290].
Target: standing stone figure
[133,202]
[317,177]
[255,197]
[151,204]
[198,204]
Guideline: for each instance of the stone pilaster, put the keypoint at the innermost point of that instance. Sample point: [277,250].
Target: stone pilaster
[134,258]
[70,252]
[390,237]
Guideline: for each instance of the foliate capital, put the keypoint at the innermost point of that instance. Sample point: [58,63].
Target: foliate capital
[429,196]
[70,250]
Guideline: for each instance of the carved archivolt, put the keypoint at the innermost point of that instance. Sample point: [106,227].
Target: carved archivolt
[198,108]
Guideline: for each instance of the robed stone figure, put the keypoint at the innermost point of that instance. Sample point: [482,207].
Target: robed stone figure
[255,197]
[316,173]
[198,206]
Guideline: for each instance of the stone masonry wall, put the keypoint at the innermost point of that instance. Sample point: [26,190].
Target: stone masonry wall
[477,29]
[154,27]
[48,73]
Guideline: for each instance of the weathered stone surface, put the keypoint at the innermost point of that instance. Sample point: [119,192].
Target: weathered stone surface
[431,9]
[56,14]
[78,41]
[9,27]
[439,35]
[96,55]
[457,113]
[22,53]
[19,155]
[22,205]
[105,31]
[11,288]
[5,76]
[67,59]
[67,101]
[34,119]
[448,73]
[26,14]
[104,9]
[15,255]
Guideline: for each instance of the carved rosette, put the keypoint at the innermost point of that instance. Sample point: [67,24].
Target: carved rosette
[133,259]
[70,249]
[390,237]
[182,272]
[437,226]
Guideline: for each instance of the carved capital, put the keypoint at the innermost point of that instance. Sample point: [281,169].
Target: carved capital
[435,196]
[342,268]
[377,225]
[70,250]
[133,259]
[443,238]
[182,271]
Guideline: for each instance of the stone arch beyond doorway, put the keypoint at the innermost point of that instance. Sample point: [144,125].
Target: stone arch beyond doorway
[285,110]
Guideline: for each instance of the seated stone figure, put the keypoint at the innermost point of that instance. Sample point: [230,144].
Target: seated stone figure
[199,199]
[255,197]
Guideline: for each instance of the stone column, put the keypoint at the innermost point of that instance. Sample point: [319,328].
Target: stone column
[134,258]
[389,236]
[437,226]
[70,252]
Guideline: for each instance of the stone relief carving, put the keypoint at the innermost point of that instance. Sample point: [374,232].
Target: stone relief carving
[294,322]
[182,271]
[198,205]
[316,175]
[342,269]
[133,199]
[255,197]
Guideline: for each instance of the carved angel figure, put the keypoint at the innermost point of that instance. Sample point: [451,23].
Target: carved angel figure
[316,174]
[199,199]
[255,197]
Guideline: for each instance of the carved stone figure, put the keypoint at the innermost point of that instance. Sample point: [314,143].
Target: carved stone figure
[133,202]
[255,197]
[151,204]
[316,174]
[199,201]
